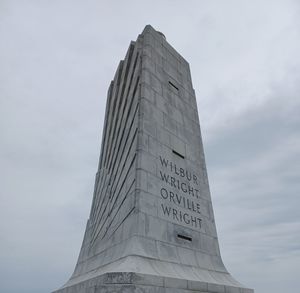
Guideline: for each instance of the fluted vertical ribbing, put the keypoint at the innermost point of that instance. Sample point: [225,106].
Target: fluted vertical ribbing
[121,131]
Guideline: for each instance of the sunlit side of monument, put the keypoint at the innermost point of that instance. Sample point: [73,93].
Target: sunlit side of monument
[151,226]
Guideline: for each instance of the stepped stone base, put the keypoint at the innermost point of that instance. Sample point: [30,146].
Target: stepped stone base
[141,283]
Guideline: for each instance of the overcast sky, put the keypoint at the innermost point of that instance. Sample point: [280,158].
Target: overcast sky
[56,62]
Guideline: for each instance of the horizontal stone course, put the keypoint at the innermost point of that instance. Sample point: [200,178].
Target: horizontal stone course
[137,283]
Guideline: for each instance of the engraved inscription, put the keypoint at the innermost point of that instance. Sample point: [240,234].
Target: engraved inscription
[179,195]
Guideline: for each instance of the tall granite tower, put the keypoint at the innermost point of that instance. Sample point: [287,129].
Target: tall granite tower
[151,226]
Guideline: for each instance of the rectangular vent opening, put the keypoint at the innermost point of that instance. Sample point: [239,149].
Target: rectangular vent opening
[184,237]
[178,154]
[173,85]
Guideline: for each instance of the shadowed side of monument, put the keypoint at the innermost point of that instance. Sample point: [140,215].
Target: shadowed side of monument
[151,226]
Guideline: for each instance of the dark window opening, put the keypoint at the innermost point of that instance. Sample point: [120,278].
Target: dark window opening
[178,154]
[184,237]
[173,85]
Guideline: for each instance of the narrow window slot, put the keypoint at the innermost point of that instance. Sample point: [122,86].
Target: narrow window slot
[184,237]
[178,154]
[173,85]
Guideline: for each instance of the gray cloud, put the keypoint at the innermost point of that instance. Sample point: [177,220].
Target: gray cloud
[56,61]
[254,173]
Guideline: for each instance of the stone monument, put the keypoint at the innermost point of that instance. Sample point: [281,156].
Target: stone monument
[151,227]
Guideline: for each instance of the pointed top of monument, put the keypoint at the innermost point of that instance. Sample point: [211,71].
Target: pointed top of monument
[149,27]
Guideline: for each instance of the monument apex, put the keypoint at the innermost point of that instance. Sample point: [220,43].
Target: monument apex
[151,227]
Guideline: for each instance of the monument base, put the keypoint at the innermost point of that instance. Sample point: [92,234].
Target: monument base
[121,282]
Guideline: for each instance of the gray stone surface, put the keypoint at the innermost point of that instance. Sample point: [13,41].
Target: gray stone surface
[151,226]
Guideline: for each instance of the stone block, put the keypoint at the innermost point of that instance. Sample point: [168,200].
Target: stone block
[147,93]
[170,124]
[204,260]
[178,145]
[148,64]
[167,252]
[154,227]
[147,203]
[187,256]
[147,162]
[149,127]
[172,71]
[175,283]
[215,288]
[153,184]
[198,286]
[152,146]
[141,182]
[147,51]
[163,137]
